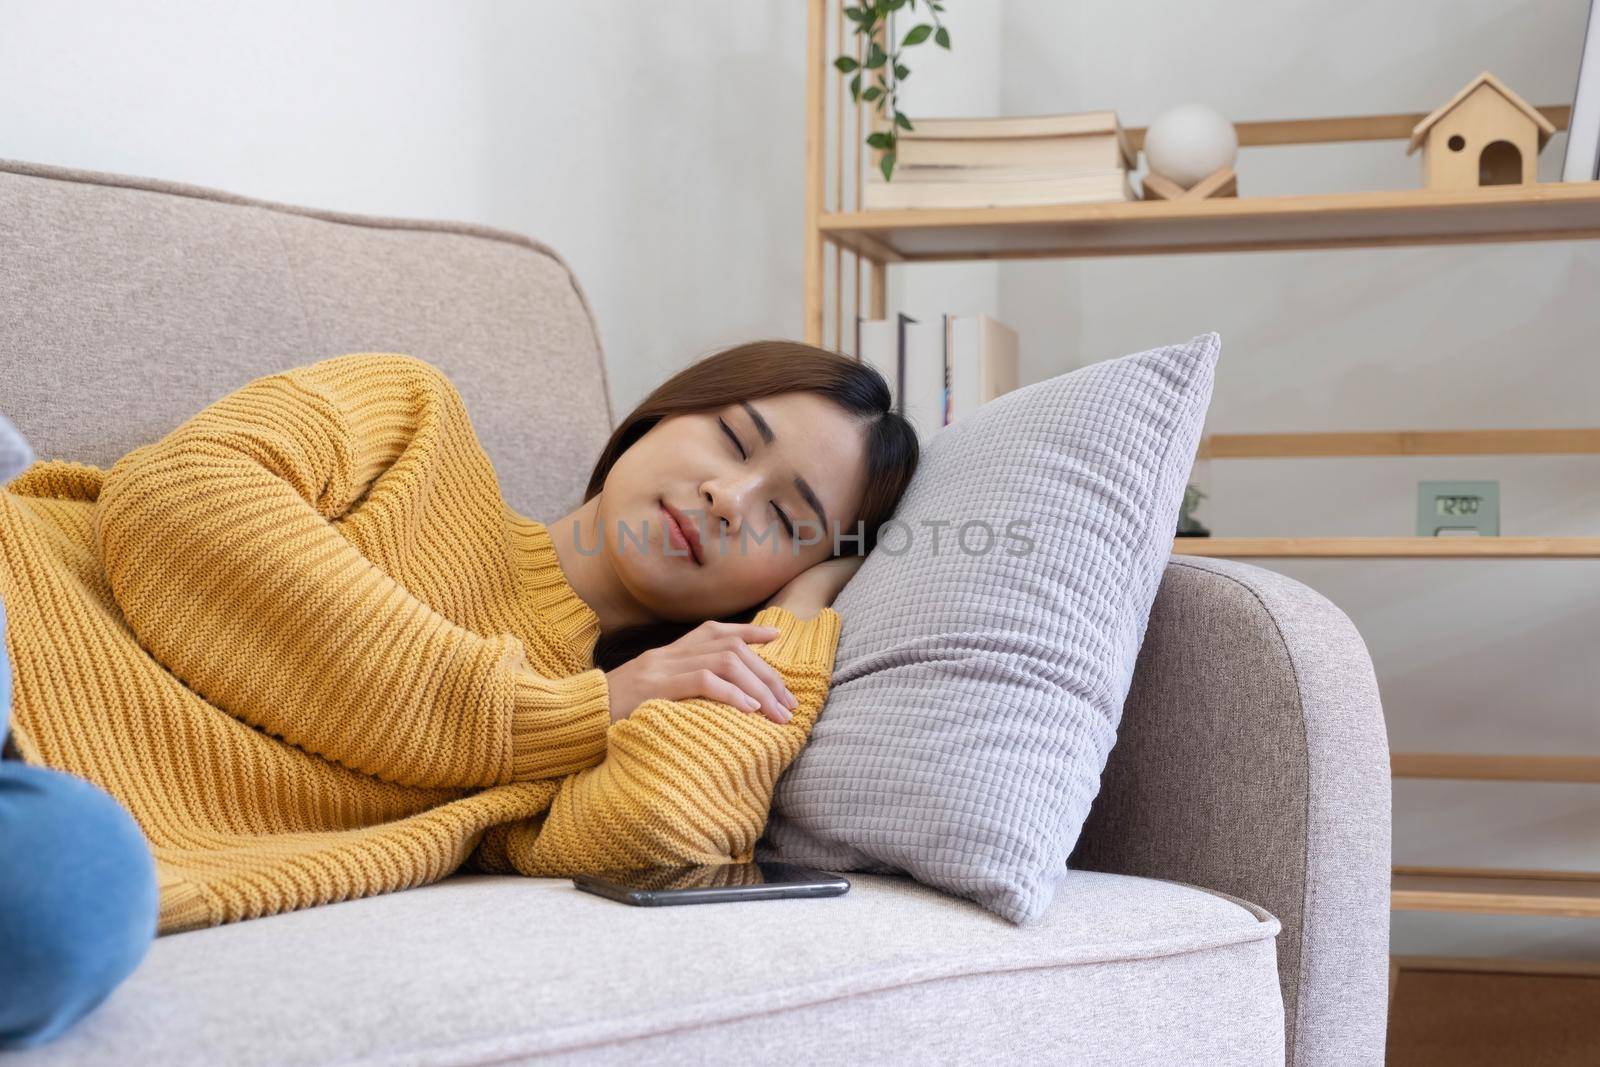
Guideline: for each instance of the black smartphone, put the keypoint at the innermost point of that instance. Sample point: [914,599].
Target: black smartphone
[646,886]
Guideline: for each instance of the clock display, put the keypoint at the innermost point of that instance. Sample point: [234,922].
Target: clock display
[1457,505]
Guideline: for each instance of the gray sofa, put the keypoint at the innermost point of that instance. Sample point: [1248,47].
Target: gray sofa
[1228,901]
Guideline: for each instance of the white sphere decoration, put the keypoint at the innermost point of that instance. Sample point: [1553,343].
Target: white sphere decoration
[1189,142]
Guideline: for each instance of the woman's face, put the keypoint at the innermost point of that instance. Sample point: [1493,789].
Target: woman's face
[774,477]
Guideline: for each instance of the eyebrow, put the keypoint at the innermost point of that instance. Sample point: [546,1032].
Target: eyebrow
[800,483]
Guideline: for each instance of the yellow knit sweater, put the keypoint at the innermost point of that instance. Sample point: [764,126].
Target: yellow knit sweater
[303,639]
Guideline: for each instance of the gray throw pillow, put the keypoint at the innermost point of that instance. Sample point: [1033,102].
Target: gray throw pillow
[976,694]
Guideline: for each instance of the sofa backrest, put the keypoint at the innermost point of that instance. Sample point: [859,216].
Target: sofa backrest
[128,304]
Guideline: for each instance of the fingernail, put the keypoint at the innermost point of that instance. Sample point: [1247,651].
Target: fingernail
[790,700]
[786,717]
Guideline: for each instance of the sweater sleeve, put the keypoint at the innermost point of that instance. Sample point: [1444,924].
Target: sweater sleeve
[226,545]
[683,782]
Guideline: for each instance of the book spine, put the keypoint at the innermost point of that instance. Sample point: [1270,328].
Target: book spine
[900,363]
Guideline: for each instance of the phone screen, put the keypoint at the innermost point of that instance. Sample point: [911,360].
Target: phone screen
[712,883]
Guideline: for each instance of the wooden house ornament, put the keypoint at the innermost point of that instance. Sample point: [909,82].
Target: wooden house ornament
[1485,135]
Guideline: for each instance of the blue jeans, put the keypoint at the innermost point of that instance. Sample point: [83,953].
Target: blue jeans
[78,895]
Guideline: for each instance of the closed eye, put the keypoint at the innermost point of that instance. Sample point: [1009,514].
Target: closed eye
[734,438]
[787,525]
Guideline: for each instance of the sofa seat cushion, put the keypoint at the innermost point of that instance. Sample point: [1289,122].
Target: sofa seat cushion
[481,969]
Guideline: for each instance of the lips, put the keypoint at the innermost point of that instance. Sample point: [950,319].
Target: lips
[682,532]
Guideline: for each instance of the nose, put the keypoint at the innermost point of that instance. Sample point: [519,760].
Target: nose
[726,501]
[720,515]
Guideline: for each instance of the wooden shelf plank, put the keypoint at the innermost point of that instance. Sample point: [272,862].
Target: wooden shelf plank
[1498,965]
[1395,547]
[1545,211]
[1566,893]
[1569,441]
[1495,767]
[1333,129]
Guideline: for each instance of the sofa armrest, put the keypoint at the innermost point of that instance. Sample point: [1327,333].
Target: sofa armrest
[1253,759]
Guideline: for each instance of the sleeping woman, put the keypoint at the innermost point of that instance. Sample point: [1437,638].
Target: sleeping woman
[305,643]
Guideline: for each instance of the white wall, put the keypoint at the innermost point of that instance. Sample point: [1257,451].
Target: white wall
[1471,656]
[659,148]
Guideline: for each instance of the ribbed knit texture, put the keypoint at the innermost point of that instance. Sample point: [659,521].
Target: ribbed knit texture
[303,639]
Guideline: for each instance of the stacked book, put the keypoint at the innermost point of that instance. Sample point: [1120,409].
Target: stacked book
[1004,162]
[941,370]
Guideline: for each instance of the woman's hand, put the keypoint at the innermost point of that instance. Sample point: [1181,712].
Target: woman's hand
[815,587]
[713,660]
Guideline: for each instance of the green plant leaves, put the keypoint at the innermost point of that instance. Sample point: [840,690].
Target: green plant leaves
[870,16]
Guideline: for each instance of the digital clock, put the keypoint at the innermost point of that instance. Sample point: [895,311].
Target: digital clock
[1446,509]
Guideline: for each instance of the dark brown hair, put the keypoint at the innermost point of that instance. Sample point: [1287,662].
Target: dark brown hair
[747,372]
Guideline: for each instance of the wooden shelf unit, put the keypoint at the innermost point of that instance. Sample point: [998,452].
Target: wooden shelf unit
[1545,211]
[1548,211]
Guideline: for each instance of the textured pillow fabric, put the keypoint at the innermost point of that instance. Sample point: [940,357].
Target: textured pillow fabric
[976,694]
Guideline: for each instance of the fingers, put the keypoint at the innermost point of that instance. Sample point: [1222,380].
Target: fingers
[767,673]
[755,693]
[739,637]
[721,651]
[744,631]
[707,683]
